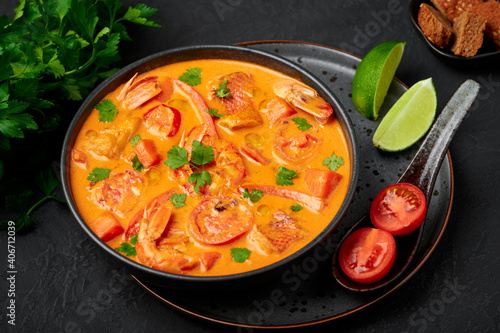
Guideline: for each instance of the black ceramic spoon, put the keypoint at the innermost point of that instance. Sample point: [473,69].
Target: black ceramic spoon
[421,172]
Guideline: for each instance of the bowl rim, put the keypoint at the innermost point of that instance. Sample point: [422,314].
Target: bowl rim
[413,12]
[123,75]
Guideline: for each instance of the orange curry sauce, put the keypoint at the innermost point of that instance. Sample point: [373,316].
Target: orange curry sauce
[256,136]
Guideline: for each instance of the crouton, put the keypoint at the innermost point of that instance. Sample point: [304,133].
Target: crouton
[469,29]
[453,8]
[434,25]
[490,11]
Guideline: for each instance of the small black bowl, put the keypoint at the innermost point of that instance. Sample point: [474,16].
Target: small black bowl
[268,60]
[486,55]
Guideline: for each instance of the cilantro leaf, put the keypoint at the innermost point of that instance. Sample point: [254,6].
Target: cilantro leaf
[177,157]
[302,123]
[296,207]
[136,164]
[98,174]
[254,196]
[47,181]
[128,249]
[223,90]
[191,76]
[333,162]
[240,254]
[140,15]
[201,154]
[135,140]
[200,179]
[284,176]
[107,110]
[179,200]
[215,113]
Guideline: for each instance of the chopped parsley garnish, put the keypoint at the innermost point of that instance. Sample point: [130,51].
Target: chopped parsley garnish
[284,176]
[107,111]
[200,155]
[136,164]
[98,174]
[200,179]
[214,113]
[191,76]
[179,200]
[128,249]
[240,254]
[177,157]
[296,207]
[302,123]
[223,90]
[135,140]
[254,196]
[333,162]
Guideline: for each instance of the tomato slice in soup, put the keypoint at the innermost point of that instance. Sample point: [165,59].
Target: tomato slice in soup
[219,220]
[399,209]
[298,148]
[367,255]
[162,121]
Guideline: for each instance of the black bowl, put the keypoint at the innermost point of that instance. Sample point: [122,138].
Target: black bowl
[208,52]
[487,54]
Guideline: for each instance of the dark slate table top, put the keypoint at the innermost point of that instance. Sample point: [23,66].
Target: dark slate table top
[65,283]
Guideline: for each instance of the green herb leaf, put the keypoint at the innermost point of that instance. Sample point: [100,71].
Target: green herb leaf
[254,196]
[179,200]
[107,111]
[128,249]
[191,76]
[296,207]
[47,181]
[136,164]
[333,162]
[98,174]
[177,157]
[214,113]
[135,140]
[284,176]
[201,154]
[302,123]
[240,254]
[140,15]
[223,91]
[200,179]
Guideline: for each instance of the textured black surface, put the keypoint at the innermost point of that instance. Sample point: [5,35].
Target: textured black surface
[64,283]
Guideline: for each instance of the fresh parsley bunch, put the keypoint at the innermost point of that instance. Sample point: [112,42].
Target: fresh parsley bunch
[54,51]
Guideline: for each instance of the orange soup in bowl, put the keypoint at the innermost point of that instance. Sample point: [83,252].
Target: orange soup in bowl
[210,167]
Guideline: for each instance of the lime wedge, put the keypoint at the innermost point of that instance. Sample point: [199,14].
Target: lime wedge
[374,76]
[408,119]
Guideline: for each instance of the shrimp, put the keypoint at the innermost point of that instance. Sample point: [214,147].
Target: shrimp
[303,98]
[166,258]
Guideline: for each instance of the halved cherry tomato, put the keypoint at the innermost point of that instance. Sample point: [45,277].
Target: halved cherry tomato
[162,121]
[219,220]
[399,209]
[367,255]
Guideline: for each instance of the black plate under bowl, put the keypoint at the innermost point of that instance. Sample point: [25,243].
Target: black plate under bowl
[306,293]
[486,55]
[209,52]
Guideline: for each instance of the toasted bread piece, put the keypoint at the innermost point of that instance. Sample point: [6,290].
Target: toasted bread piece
[453,8]
[435,25]
[469,29]
[490,10]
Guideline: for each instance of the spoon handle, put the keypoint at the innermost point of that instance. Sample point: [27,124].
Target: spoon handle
[424,167]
